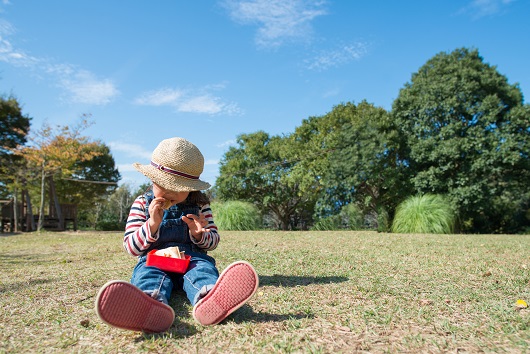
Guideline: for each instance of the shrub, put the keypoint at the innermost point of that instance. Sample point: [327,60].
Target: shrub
[332,222]
[236,215]
[352,217]
[430,213]
[106,225]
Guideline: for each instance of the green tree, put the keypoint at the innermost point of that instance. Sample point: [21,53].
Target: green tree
[467,135]
[257,171]
[358,160]
[109,213]
[92,180]
[14,126]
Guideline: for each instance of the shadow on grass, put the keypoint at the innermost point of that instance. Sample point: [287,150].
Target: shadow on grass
[25,284]
[291,280]
[19,259]
[7,234]
[245,314]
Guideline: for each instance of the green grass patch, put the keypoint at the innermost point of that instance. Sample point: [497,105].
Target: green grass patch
[236,215]
[429,213]
[320,292]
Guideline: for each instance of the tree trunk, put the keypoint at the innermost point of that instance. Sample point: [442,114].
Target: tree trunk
[15,210]
[30,221]
[57,206]
[41,208]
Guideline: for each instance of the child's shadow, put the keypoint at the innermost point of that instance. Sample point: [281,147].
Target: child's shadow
[182,308]
[246,314]
[292,280]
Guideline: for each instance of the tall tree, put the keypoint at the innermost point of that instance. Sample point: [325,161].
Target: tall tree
[468,136]
[358,159]
[14,126]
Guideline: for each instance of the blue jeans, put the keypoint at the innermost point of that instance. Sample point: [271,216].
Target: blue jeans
[200,278]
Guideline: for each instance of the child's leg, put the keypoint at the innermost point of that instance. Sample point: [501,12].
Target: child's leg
[200,278]
[152,281]
[141,306]
[235,286]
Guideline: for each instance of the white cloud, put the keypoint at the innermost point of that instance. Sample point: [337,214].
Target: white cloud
[227,143]
[483,8]
[278,21]
[331,93]
[201,104]
[211,162]
[81,86]
[327,59]
[159,98]
[133,150]
[8,53]
[190,101]
[127,167]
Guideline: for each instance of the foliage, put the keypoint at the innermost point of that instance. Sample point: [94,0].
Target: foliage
[92,180]
[14,127]
[55,152]
[351,217]
[236,216]
[257,171]
[328,223]
[467,136]
[427,213]
[109,213]
[360,159]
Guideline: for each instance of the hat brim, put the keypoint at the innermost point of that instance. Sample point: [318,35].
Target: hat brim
[171,182]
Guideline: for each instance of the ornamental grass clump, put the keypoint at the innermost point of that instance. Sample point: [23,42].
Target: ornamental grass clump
[430,214]
[236,216]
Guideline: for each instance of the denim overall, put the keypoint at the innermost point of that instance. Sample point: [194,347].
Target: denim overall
[201,275]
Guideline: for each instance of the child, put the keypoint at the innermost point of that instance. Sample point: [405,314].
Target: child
[142,305]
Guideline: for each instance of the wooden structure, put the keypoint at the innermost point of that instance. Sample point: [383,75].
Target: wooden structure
[57,216]
[27,221]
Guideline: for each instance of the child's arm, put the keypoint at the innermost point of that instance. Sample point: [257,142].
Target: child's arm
[138,236]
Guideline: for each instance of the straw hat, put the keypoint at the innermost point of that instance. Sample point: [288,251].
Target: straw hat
[176,165]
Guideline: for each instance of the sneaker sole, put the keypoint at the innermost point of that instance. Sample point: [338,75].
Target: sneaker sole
[235,286]
[123,305]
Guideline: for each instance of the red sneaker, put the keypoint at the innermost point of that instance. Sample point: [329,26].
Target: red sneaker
[123,305]
[235,286]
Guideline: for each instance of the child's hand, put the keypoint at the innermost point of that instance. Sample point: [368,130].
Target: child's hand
[196,225]
[156,213]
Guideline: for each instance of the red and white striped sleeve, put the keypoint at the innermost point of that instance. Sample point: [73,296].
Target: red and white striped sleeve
[210,239]
[137,237]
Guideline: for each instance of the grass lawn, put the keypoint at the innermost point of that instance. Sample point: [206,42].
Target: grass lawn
[320,292]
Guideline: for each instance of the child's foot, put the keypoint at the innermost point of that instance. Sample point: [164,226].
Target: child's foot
[235,286]
[123,305]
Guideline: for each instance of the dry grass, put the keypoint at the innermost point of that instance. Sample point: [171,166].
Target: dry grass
[320,292]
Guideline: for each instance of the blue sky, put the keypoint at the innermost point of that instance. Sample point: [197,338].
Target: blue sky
[210,70]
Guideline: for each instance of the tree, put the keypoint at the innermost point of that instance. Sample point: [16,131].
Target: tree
[110,213]
[54,152]
[91,180]
[257,171]
[359,160]
[468,137]
[14,126]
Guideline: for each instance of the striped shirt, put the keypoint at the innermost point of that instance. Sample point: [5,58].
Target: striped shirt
[138,237]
